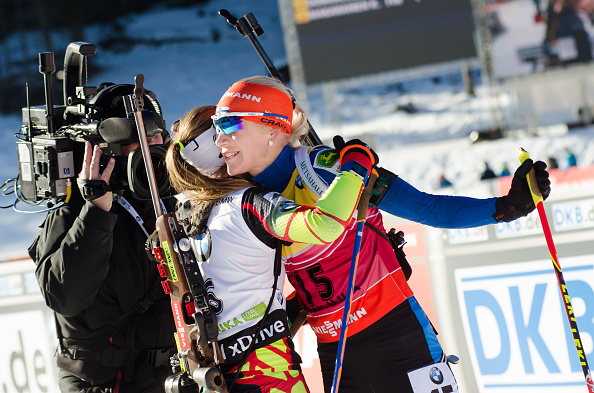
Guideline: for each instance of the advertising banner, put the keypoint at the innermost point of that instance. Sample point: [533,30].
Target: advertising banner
[517,328]
[27,363]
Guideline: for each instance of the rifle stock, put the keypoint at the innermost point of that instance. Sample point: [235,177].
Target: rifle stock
[199,352]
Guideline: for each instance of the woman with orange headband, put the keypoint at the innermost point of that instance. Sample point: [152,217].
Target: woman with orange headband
[260,128]
[235,230]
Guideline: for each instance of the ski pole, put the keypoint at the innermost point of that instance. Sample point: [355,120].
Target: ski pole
[249,27]
[539,202]
[361,216]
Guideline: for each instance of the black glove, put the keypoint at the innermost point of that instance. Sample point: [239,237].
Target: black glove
[356,157]
[518,202]
[92,189]
[397,241]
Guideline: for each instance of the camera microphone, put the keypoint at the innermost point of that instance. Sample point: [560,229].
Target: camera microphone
[90,128]
[118,130]
[47,68]
[123,130]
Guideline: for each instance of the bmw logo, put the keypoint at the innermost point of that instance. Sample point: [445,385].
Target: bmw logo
[436,376]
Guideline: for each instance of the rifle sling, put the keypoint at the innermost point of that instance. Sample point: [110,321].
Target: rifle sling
[277,271]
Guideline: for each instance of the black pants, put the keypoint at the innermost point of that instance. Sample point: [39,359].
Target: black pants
[378,358]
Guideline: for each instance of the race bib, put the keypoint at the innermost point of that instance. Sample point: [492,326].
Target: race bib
[434,378]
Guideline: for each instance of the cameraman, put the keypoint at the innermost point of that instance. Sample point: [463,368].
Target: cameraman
[114,322]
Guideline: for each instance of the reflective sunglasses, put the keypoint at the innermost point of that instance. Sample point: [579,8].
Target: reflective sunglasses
[227,125]
[230,122]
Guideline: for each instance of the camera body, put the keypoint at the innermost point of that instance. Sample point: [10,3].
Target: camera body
[51,140]
[46,167]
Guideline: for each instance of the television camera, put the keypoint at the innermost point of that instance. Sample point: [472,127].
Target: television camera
[49,143]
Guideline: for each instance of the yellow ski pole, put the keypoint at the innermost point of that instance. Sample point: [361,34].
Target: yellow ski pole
[539,202]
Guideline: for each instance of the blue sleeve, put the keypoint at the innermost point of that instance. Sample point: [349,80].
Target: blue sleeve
[440,211]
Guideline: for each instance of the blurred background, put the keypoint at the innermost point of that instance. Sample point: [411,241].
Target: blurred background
[445,91]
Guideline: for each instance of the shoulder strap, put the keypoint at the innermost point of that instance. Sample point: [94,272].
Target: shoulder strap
[139,308]
[277,272]
[382,234]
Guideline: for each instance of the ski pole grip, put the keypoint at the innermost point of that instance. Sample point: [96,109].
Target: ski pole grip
[531,178]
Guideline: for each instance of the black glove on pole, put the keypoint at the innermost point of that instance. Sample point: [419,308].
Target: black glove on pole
[518,202]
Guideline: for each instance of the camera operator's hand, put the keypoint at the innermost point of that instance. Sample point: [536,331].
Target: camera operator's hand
[90,171]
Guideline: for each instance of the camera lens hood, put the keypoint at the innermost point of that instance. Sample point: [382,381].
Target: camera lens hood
[137,178]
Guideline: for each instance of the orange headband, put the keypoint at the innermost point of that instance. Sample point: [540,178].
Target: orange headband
[245,97]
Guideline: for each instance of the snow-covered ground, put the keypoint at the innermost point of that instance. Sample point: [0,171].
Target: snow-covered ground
[197,70]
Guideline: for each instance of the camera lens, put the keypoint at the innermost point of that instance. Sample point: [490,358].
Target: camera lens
[158,168]
[137,178]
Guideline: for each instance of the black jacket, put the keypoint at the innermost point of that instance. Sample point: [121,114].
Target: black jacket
[92,268]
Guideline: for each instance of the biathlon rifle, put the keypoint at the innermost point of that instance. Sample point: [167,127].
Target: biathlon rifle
[249,27]
[198,354]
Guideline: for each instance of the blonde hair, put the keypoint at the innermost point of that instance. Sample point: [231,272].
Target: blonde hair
[299,127]
[184,177]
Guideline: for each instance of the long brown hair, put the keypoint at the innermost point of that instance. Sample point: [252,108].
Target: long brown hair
[185,178]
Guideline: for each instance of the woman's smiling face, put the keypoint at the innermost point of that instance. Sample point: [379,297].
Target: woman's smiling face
[247,150]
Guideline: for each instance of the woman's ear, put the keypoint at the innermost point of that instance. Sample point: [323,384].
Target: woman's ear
[273,134]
